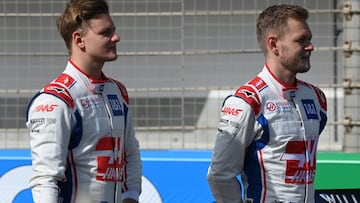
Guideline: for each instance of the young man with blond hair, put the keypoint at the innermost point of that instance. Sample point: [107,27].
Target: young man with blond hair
[82,140]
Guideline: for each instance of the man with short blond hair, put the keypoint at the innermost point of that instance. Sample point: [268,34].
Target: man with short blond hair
[82,140]
[271,140]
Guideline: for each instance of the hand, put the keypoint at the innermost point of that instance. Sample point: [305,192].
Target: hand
[128,200]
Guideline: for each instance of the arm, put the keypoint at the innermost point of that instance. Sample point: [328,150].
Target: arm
[133,165]
[235,133]
[323,104]
[49,125]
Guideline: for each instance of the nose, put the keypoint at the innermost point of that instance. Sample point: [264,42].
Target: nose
[115,37]
[309,47]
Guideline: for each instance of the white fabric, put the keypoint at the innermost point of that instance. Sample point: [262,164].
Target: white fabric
[268,136]
[82,141]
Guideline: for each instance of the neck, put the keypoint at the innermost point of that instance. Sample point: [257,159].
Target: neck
[287,78]
[89,67]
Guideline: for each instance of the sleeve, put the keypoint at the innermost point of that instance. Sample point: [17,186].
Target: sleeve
[133,163]
[49,124]
[323,105]
[235,133]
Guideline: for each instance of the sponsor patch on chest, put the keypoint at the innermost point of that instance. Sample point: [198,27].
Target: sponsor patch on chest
[310,109]
[91,102]
[277,106]
[115,105]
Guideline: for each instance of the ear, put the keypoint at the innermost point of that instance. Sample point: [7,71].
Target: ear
[272,44]
[78,40]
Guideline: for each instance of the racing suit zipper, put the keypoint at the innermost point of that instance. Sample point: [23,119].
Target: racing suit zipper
[111,125]
[297,109]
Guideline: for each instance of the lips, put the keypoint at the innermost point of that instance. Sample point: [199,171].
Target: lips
[112,48]
[306,55]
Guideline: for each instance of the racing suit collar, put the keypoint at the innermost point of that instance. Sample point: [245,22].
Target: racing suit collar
[93,80]
[266,66]
[289,92]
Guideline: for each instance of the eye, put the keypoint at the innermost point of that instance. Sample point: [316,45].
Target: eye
[108,32]
[304,40]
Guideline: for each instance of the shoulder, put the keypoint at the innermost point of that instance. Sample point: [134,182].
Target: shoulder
[60,88]
[122,89]
[250,93]
[320,95]
[46,104]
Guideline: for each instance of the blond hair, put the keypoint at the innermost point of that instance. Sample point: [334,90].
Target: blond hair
[273,20]
[76,14]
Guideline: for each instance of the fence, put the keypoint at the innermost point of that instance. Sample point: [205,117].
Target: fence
[178,59]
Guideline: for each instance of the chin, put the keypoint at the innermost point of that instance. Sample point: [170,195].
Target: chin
[304,68]
[113,58]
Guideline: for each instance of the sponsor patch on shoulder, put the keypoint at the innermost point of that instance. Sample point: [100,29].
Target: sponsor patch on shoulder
[45,107]
[231,111]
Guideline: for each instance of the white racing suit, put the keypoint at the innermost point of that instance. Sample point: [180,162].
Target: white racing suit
[82,141]
[267,136]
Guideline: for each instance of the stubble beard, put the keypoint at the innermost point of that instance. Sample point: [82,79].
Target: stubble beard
[304,66]
[299,66]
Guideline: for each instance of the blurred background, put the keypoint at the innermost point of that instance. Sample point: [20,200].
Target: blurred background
[179,59]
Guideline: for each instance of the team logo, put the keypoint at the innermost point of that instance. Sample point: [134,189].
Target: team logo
[300,157]
[231,111]
[92,101]
[278,106]
[85,103]
[110,167]
[45,107]
[270,106]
